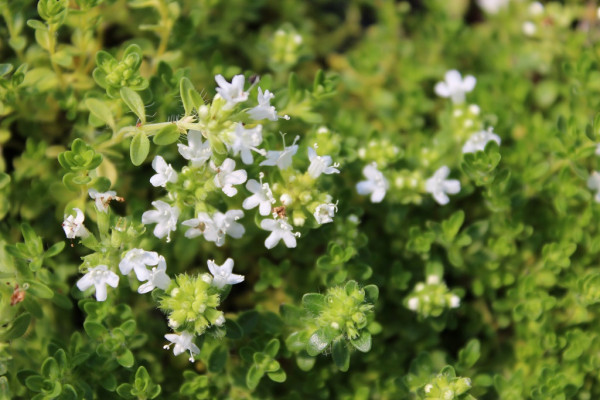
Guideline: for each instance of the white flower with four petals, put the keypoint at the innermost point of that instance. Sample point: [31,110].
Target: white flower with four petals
[440,187]
[98,277]
[222,275]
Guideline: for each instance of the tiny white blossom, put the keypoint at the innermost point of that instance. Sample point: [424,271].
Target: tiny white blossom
[593,183]
[156,278]
[492,6]
[226,177]
[433,279]
[280,229]
[164,172]
[262,197]
[376,184]
[320,164]
[455,87]
[182,342]
[203,225]
[264,109]
[165,218]
[220,320]
[73,225]
[529,28]
[245,141]
[196,151]
[286,199]
[413,303]
[478,140]
[222,275]
[454,301]
[102,199]
[428,388]
[137,259]
[438,185]
[214,229]
[536,8]
[233,92]
[324,213]
[283,159]
[98,277]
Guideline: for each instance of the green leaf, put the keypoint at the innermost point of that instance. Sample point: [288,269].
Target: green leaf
[167,135]
[124,390]
[50,369]
[134,102]
[54,250]
[18,327]
[233,329]
[272,348]
[5,69]
[94,329]
[277,376]
[187,91]
[34,383]
[469,355]
[371,293]
[101,111]
[218,359]
[40,290]
[313,302]
[139,148]
[253,377]
[320,340]
[363,342]
[341,355]
[126,359]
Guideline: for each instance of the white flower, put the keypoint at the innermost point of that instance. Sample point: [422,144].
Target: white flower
[156,278]
[454,301]
[536,8]
[98,277]
[137,259]
[262,197]
[433,280]
[226,177]
[226,225]
[376,184]
[280,229]
[478,140]
[203,225]
[223,274]
[102,199]
[232,92]
[264,109]
[165,218]
[325,212]
[593,183]
[283,159]
[529,28]
[413,303]
[438,185]
[428,388]
[196,151]
[214,229]
[492,6]
[182,342]
[164,172]
[246,140]
[320,164]
[455,87]
[73,225]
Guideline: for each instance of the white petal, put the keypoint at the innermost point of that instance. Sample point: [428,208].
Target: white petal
[289,239]
[269,224]
[452,186]
[273,238]
[112,279]
[468,83]
[377,195]
[365,187]
[101,291]
[442,89]
[85,282]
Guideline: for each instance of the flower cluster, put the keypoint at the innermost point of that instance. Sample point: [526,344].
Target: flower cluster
[431,298]
[216,137]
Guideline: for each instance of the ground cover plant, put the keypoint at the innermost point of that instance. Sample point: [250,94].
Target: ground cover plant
[360,199]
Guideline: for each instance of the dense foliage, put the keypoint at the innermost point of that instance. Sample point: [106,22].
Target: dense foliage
[309,199]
